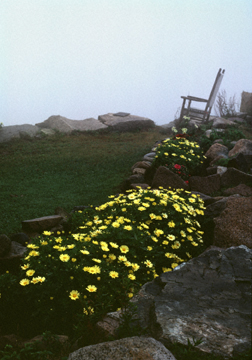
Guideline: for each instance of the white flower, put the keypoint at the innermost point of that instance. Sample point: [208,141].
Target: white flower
[184,130]
[174,129]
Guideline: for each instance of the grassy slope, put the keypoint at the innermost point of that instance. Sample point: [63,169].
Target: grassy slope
[38,175]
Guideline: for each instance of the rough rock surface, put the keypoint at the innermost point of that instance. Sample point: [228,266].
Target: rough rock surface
[241,162]
[246,102]
[41,224]
[207,184]
[243,146]
[5,245]
[234,177]
[233,227]
[208,297]
[167,179]
[221,123]
[9,132]
[241,189]
[11,261]
[65,125]
[216,150]
[127,122]
[137,348]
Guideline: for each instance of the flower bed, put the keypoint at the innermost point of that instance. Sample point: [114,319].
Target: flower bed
[116,247]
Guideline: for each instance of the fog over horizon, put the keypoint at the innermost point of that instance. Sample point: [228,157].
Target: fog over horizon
[85,58]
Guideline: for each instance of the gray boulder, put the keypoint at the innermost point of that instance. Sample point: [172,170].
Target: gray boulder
[208,297]
[127,122]
[8,133]
[140,348]
[64,125]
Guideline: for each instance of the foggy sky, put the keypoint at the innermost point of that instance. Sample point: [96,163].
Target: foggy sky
[84,58]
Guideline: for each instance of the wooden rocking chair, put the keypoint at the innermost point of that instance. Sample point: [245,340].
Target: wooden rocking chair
[199,114]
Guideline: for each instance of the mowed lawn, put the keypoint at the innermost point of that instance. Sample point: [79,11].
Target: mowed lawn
[38,175]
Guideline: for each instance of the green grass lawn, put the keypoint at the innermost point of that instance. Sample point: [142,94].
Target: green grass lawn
[38,175]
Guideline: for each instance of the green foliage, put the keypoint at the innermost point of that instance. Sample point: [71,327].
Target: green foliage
[97,268]
[34,351]
[180,155]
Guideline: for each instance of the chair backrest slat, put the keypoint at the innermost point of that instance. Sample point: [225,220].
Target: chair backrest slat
[215,88]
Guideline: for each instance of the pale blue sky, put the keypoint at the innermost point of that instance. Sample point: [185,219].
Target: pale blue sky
[84,58]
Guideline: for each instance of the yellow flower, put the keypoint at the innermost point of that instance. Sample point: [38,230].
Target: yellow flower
[135,267]
[85,252]
[170,237]
[131,277]
[113,274]
[148,263]
[43,242]
[177,207]
[33,253]
[91,288]
[165,242]
[64,257]
[127,263]
[141,208]
[128,227]
[158,232]
[154,239]
[149,248]
[194,243]
[74,295]
[152,216]
[166,269]
[24,282]
[124,249]
[116,224]
[59,240]
[30,272]
[25,267]
[40,279]
[73,259]
[122,258]
[114,245]
[48,233]
[88,311]
[176,245]
[105,248]
[171,224]
[130,295]
[34,280]
[173,265]
[182,233]
[97,260]
[70,246]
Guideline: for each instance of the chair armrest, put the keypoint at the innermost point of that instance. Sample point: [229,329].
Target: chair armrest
[193,98]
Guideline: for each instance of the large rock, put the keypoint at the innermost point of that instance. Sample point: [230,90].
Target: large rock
[139,348]
[215,151]
[241,162]
[233,177]
[221,123]
[167,179]
[38,225]
[207,184]
[233,227]
[241,189]
[208,297]
[127,122]
[246,102]
[65,125]
[5,245]
[243,146]
[17,131]
[11,261]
